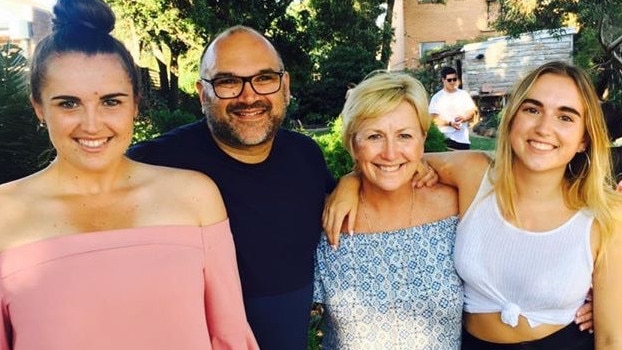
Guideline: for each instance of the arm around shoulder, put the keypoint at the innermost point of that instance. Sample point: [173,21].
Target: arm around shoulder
[459,168]
[341,204]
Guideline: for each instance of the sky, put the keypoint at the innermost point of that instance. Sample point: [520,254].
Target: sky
[47,3]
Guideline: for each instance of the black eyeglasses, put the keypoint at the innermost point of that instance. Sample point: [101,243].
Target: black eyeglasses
[265,83]
[451,80]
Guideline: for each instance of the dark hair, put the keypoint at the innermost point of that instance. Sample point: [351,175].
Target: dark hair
[445,71]
[81,26]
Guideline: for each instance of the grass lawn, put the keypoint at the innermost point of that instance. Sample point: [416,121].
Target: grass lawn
[483,143]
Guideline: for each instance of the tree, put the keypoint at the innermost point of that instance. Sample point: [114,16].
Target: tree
[588,15]
[348,44]
[23,145]
[164,30]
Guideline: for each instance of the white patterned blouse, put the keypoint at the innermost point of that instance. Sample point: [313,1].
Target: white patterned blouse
[391,290]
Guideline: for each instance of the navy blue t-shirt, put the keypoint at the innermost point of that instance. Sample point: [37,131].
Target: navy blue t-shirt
[274,207]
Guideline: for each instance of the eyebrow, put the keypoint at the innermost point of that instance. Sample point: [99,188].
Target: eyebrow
[228,74]
[104,97]
[562,108]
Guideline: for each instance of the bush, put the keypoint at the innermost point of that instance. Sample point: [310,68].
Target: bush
[339,160]
[158,122]
[24,147]
[164,120]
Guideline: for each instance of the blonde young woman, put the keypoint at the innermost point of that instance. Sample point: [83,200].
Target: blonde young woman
[98,251]
[541,223]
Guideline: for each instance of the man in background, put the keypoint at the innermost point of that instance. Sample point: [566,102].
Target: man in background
[452,108]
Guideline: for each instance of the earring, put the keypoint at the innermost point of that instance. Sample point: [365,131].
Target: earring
[42,124]
[584,169]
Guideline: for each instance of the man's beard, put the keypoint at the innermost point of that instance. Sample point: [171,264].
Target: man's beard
[230,132]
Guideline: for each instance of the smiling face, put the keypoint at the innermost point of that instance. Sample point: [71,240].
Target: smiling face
[89,107]
[249,119]
[388,149]
[548,128]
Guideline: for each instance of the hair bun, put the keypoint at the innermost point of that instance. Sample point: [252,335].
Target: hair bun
[81,15]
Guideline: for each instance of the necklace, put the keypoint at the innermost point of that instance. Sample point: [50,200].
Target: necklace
[366,217]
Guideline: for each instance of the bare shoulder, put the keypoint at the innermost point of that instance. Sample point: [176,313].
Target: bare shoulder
[20,205]
[186,190]
[193,180]
[437,202]
[471,161]
[180,179]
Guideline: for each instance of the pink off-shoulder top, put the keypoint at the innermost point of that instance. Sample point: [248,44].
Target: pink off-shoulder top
[149,288]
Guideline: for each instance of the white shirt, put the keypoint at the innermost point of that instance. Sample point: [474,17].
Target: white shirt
[449,105]
[543,276]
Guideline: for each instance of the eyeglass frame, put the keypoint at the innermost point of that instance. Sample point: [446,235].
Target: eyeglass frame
[246,79]
[451,80]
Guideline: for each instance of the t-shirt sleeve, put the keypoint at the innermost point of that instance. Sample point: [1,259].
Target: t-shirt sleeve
[224,306]
[433,108]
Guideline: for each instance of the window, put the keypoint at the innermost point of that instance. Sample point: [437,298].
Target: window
[430,45]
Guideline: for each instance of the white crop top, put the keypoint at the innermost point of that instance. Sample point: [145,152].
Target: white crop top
[543,276]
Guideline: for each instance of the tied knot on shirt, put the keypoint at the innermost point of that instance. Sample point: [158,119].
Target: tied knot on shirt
[510,313]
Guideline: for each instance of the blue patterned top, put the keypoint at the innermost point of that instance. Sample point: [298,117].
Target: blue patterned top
[391,290]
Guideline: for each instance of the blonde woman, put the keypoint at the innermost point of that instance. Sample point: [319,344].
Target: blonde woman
[540,224]
[392,284]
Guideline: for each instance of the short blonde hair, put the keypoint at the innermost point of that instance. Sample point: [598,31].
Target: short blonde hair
[378,94]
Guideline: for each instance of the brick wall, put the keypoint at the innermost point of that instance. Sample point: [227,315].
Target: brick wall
[450,22]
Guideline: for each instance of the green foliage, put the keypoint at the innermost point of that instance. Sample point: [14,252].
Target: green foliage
[518,17]
[158,122]
[164,32]
[435,141]
[339,160]
[315,332]
[164,120]
[427,77]
[143,130]
[347,45]
[23,144]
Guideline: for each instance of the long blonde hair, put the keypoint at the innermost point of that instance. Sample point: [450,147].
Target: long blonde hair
[592,187]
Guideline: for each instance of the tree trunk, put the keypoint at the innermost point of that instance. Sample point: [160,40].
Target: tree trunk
[387,35]
[173,95]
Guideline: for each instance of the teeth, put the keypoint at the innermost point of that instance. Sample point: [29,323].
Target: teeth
[249,114]
[541,146]
[92,143]
[388,168]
